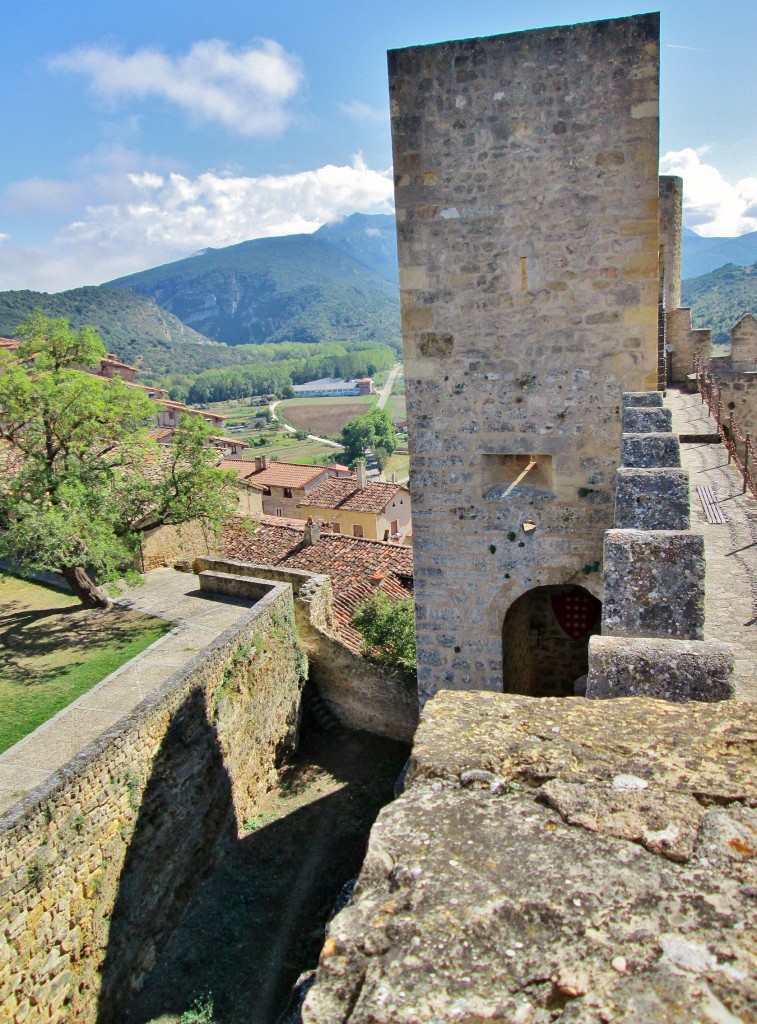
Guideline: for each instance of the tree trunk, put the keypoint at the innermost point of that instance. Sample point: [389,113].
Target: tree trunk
[90,595]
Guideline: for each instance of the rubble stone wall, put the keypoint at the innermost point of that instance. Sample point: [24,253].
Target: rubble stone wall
[528,217]
[99,861]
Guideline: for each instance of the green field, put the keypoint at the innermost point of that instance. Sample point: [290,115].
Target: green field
[52,651]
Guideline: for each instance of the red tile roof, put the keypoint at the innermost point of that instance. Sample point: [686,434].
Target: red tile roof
[356,567]
[242,470]
[344,494]
[287,474]
[113,360]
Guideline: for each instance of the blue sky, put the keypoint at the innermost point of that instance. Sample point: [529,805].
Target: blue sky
[137,133]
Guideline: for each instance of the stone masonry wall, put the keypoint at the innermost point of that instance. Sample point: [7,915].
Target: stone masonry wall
[167,545]
[685,343]
[527,216]
[98,863]
[361,695]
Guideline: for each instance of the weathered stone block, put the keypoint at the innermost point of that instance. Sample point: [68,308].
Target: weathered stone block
[642,399]
[652,499]
[646,451]
[676,670]
[490,894]
[647,421]
[654,584]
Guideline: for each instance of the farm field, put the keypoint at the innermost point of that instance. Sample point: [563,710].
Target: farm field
[399,465]
[286,448]
[323,416]
[52,650]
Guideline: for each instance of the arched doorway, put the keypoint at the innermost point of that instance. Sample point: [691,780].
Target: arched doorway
[545,640]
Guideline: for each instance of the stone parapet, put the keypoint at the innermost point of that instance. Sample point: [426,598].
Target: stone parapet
[358,693]
[675,670]
[100,860]
[596,857]
[638,420]
[648,451]
[652,499]
[654,584]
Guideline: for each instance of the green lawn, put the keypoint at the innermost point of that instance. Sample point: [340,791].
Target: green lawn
[52,650]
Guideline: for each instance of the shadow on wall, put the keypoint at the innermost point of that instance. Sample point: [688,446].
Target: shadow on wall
[258,920]
[185,810]
[545,640]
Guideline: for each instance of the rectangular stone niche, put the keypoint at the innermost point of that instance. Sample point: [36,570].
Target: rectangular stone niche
[507,474]
[654,584]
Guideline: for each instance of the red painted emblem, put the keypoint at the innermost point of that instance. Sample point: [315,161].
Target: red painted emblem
[577,612]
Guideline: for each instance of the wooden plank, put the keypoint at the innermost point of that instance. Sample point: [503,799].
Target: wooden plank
[710,504]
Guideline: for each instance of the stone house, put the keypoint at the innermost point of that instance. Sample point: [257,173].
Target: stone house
[285,485]
[361,508]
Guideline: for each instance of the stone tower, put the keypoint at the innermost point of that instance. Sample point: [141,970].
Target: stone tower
[528,225]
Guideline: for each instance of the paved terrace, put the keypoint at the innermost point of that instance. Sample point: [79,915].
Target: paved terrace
[730,549]
[199,619]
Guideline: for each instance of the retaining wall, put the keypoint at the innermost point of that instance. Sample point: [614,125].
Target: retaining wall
[99,861]
[360,694]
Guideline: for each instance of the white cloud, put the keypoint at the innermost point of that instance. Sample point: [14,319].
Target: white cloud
[712,206]
[148,218]
[246,90]
[360,111]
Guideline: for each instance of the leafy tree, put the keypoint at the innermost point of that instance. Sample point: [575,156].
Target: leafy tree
[372,431]
[388,629]
[83,479]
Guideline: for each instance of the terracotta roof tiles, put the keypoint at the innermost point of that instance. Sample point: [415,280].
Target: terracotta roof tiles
[287,474]
[356,567]
[343,493]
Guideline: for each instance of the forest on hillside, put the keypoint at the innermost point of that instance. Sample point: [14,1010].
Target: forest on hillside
[720,298]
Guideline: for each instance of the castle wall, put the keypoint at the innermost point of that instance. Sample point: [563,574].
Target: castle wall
[685,343]
[98,863]
[527,214]
[671,227]
[744,343]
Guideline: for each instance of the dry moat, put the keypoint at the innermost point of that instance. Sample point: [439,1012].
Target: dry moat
[258,920]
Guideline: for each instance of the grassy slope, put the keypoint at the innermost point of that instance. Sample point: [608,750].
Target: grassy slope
[52,651]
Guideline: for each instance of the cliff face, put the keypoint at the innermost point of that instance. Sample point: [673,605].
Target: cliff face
[333,285]
[592,861]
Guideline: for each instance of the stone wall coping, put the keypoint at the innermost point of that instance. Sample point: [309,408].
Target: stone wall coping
[171,688]
[642,399]
[296,577]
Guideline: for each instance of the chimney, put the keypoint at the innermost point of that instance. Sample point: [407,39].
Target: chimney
[362,481]
[394,478]
[312,532]
[258,463]
[264,461]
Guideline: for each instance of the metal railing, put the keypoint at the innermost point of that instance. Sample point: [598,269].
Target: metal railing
[741,450]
